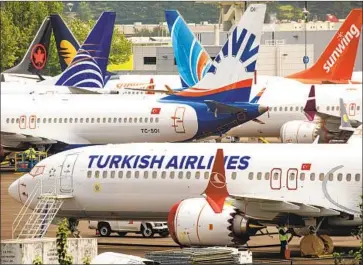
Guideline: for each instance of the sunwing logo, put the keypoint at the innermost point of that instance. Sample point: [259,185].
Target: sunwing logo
[247,53]
[345,40]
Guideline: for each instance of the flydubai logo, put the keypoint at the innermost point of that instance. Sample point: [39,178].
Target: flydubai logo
[236,42]
[345,40]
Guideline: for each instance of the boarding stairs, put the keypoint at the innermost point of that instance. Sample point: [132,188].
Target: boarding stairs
[30,225]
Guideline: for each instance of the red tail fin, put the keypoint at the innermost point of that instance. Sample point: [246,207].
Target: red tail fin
[336,63]
[216,190]
[310,106]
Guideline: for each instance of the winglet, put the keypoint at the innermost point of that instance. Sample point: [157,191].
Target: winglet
[344,119]
[310,106]
[216,190]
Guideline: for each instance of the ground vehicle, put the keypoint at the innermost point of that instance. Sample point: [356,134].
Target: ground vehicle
[147,229]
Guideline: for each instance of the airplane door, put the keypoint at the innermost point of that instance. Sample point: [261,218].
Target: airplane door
[275,179]
[352,109]
[22,122]
[291,178]
[32,122]
[179,120]
[66,175]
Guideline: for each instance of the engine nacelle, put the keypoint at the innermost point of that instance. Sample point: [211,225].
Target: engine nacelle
[193,222]
[299,132]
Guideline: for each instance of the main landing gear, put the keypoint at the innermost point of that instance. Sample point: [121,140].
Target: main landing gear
[314,244]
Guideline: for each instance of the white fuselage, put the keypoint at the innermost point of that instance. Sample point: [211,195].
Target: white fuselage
[95,119]
[142,181]
[286,100]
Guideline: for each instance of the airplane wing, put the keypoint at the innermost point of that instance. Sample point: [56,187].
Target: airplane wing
[266,205]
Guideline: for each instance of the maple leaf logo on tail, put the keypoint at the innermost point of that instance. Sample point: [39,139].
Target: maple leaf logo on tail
[216,190]
[38,56]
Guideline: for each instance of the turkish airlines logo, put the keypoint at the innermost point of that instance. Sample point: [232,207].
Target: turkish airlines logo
[218,180]
[38,56]
[345,40]
[155,110]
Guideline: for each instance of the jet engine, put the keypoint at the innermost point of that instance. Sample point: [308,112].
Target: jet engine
[299,132]
[193,222]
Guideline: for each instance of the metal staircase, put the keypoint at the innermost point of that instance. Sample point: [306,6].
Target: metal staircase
[35,224]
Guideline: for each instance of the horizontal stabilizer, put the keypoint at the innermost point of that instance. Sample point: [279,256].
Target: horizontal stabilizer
[218,107]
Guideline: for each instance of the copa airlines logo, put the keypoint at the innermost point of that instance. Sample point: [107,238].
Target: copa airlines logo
[163,162]
[83,72]
[344,41]
[67,51]
[233,49]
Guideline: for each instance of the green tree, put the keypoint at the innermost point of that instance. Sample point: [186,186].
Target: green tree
[84,11]
[62,235]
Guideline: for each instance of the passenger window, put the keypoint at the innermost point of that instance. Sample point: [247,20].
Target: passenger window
[156,120]
[7,120]
[70,120]
[302,176]
[120,120]
[340,177]
[114,120]
[65,120]
[81,120]
[44,120]
[276,176]
[206,175]
[285,108]
[172,174]
[291,108]
[312,176]
[155,174]
[234,175]
[301,108]
[321,176]
[75,120]
[296,108]
[146,174]
[275,108]
[250,176]
[49,120]
[267,175]
[333,108]
[98,120]
[292,176]
[87,120]
[130,120]
[327,108]
[125,120]
[109,120]
[351,106]
[104,174]
[188,174]
[358,107]
[97,174]
[151,120]
[92,120]
[197,175]
[259,175]
[128,174]
[60,120]
[137,174]
[337,108]
[55,120]
[113,173]
[32,120]
[140,120]
[163,174]
[104,120]
[180,175]
[89,174]
[38,120]
[146,120]
[357,177]
[349,177]
[17,120]
[331,177]
[317,108]
[120,174]
[135,120]
[280,109]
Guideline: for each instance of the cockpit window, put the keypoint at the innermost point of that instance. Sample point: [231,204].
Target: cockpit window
[37,170]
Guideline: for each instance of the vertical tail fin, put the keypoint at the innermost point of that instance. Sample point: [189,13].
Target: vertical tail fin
[67,45]
[88,67]
[337,61]
[36,57]
[344,119]
[192,60]
[229,78]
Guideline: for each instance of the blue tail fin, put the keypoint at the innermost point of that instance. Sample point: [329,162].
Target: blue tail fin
[88,68]
[192,60]
[229,78]
[67,45]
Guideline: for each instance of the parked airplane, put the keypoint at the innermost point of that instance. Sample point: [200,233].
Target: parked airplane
[32,65]
[217,194]
[217,103]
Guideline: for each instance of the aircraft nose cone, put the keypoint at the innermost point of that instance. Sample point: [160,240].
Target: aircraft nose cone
[14,190]
[262,109]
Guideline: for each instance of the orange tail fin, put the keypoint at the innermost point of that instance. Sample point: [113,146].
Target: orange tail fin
[336,63]
[216,190]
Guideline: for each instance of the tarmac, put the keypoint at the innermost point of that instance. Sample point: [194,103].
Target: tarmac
[134,244]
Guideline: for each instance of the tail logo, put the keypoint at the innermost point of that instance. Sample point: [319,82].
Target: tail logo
[38,56]
[345,40]
[236,43]
[218,180]
[67,51]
